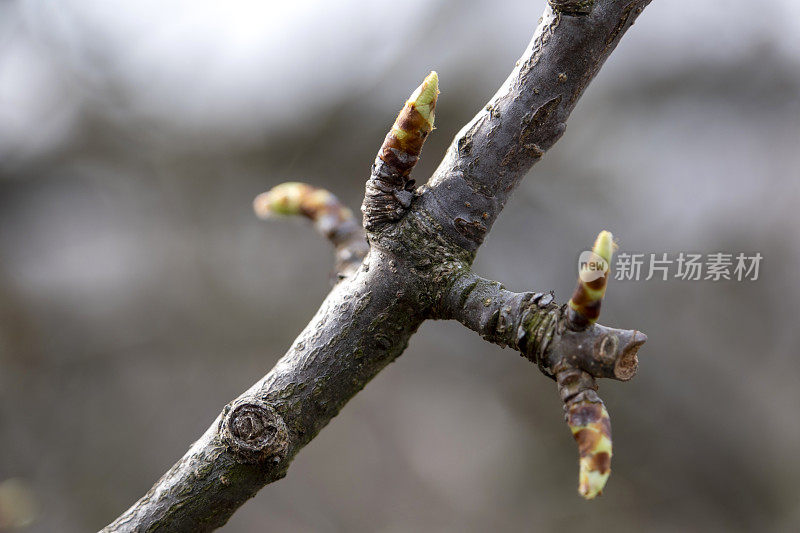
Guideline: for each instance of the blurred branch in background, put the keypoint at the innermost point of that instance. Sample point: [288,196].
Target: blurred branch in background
[331,219]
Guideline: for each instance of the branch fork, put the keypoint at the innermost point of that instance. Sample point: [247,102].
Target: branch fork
[565,343]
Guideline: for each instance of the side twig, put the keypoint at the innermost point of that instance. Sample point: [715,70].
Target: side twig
[331,219]
[545,333]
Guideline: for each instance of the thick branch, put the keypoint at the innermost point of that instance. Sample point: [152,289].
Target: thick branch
[490,155]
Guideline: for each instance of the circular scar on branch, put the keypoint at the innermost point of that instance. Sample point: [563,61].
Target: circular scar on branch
[628,362]
[254,430]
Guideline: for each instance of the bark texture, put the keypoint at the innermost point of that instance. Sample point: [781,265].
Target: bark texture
[418,267]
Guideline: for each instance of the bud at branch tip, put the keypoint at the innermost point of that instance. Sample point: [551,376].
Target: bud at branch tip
[423,99]
[584,306]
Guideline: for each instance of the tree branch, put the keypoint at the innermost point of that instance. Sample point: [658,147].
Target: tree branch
[493,152]
[527,322]
[422,243]
[364,324]
[545,333]
[533,324]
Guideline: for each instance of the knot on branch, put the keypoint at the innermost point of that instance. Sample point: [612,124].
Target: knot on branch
[254,430]
[599,350]
[627,364]
[572,7]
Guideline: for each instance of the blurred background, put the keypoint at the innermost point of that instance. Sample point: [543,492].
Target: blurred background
[137,288]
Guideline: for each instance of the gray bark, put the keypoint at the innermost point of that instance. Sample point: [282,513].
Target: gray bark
[418,267]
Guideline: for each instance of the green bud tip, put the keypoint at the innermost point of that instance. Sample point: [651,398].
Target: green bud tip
[604,246]
[284,199]
[424,97]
